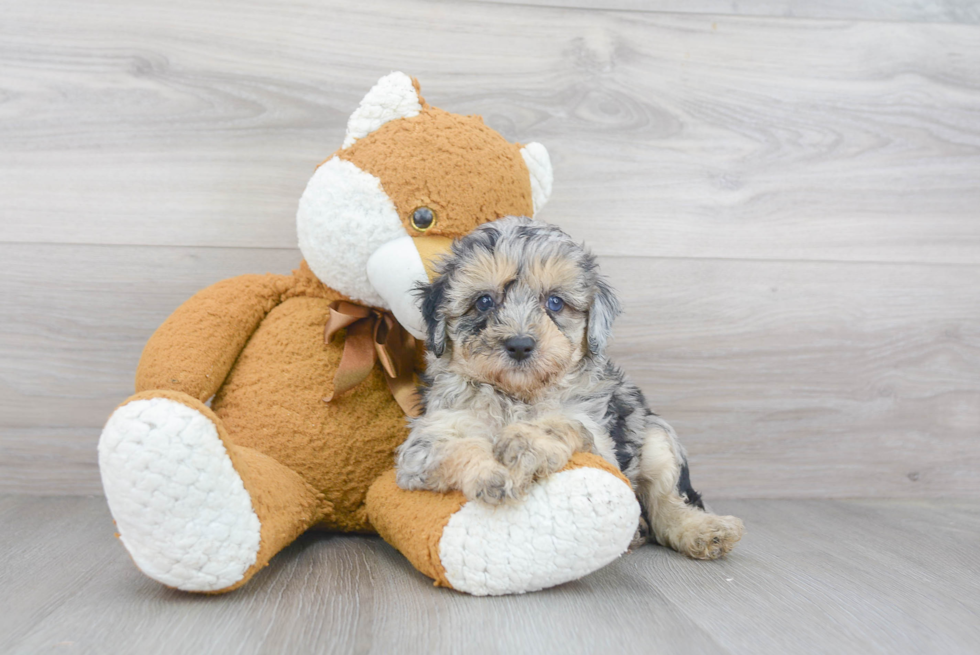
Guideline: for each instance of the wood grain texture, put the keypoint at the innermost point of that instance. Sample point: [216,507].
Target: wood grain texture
[809,577]
[787,205]
[73,321]
[810,380]
[189,123]
[783,379]
[918,11]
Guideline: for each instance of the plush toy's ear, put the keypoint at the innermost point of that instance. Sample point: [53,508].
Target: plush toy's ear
[434,314]
[539,166]
[603,311]
[394,96]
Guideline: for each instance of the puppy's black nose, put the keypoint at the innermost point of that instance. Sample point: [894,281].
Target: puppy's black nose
[519,348]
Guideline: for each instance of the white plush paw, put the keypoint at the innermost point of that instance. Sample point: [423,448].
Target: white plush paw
[570,524]
[180,507]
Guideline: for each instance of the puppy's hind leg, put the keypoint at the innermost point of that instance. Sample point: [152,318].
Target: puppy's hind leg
[674,510]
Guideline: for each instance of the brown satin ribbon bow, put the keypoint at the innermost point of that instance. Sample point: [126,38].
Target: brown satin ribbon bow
[373,335]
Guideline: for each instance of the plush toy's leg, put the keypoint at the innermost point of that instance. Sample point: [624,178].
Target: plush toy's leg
[195,511]
[572,523]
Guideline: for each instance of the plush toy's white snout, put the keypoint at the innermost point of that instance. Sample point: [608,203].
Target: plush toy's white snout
[395,270]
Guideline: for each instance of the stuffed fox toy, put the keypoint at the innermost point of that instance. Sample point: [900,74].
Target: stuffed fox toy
[310,379]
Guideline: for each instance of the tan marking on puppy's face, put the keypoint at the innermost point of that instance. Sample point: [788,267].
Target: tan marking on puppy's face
[554,274]
[485,272]
[495,297]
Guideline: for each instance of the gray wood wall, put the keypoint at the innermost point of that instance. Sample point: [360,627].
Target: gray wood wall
[786,195]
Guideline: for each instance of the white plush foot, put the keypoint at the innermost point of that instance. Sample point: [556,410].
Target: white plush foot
[181,509]
[572,523]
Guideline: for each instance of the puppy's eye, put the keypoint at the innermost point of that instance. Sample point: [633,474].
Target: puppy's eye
[555,304]
[484,303]
[423,218]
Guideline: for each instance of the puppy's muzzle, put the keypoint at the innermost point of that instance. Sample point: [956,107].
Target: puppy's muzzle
[519,348]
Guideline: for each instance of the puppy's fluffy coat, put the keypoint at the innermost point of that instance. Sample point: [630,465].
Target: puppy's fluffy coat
[517,380]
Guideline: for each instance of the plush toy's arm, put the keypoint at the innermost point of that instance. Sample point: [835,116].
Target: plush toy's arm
[193,350]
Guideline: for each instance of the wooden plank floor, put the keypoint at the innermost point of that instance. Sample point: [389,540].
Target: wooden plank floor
[939,11]
[826,576]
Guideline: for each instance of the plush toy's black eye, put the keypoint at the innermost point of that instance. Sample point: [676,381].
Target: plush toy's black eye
[555,304]
[423,218]
[484,303]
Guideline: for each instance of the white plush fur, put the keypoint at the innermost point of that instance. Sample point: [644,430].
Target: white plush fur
[344,216]
[571,524]
[539,166]
[391,98]
[181,509]
[394,270]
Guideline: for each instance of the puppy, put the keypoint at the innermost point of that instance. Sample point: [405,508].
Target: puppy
[517,380]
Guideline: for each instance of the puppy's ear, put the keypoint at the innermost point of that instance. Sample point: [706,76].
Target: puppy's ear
[603,311]
[433,313]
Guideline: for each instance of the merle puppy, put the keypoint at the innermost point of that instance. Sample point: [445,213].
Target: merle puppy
[517,380]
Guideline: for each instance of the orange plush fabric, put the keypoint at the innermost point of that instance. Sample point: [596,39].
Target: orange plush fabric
[436,141]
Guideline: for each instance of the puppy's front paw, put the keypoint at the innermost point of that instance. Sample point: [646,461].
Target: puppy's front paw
[514,449]
[552,456]
[530,451]
[492,485]
[709,536]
